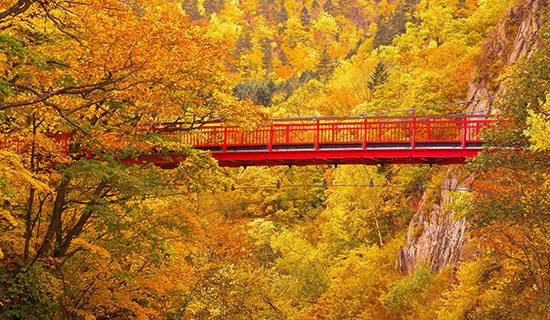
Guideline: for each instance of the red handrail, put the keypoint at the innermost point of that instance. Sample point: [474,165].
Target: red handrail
[412,130]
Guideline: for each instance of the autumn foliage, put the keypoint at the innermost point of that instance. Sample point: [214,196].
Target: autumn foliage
[83,236]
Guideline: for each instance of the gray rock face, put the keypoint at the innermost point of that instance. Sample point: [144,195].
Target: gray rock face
[434,236]
[514,38]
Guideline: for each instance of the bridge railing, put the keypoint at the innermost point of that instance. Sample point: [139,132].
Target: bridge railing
[314,133]
[23,143]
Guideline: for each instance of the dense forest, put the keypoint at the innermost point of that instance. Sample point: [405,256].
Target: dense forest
[93,237]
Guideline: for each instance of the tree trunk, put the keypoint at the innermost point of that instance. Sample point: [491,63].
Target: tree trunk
[28,222]
[56,219]
[63,245]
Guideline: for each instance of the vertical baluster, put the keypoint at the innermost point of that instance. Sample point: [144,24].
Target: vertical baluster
[224,146]
[464,128]
[317,135]
[365,134]
[413,137]
[270,143]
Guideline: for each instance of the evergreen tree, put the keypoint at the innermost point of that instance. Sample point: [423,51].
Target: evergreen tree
[259,92]
[282,17]
[329,7]
[315,9]
[244,42]
[378,77]
[315,5]
[395,24]
[306,76]
[304,17]
[265,44]
[462,5]
[263,8]
[325,67]
[191,9]
[213,6]
[283,58]
[355,49]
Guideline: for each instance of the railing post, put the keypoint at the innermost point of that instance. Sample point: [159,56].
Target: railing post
[413,132]
[464,131]
[365,134]
[270,146]
[224,147]
[317,135]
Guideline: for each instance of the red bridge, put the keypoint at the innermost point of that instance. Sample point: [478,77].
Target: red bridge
[318,141]
[448,139]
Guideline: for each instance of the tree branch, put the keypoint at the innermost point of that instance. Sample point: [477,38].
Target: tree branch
[68,90]
[15,10]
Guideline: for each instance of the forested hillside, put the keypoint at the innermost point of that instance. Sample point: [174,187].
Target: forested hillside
[88,233]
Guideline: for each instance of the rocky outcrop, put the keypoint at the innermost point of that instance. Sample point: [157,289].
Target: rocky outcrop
[435,237]
[514,38]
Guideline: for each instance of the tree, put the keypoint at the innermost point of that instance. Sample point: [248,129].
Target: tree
[264,8]
[359,278]
[539,127]
[213,6]
[260,92]
[267,58]
[283,58]
[315,5]
[191,9]
[328,7]
[379,77]
[304,18]
[244,42]
[395,24]
[325,63]
[282,17]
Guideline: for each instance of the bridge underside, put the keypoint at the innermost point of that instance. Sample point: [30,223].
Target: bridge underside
[306,154]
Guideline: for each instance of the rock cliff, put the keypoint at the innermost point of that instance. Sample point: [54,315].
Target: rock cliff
[515,37]
[435,236]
